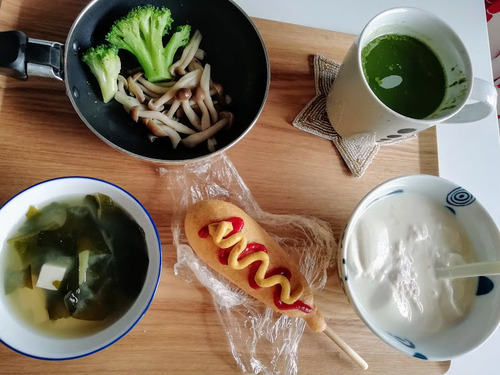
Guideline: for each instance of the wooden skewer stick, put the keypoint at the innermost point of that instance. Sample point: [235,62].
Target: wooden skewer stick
[346,348]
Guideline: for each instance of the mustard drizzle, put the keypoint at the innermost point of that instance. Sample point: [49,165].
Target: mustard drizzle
[239,242]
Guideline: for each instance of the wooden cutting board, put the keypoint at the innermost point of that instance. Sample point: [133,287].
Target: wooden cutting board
[287,170]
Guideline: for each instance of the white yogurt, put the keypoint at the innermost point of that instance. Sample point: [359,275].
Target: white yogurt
[391,259]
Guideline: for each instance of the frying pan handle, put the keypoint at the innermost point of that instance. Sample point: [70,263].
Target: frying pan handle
[13,54]
[21,56]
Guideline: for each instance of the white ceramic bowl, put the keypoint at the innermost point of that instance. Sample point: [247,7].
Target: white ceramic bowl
[25,340]
[483,233]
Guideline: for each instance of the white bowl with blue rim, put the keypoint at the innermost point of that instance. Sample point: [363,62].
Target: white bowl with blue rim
[482,318]
[23,338]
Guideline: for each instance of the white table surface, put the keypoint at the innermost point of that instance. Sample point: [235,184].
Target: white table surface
[469,154]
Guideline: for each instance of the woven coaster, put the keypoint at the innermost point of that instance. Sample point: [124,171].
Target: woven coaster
[357,154]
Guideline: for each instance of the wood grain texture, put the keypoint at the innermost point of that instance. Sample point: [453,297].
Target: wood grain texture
[287,170]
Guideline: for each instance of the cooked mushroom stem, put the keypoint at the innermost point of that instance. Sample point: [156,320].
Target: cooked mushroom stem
[123,98]
[137,112]
[158,129]
[137,75]
[209,114]
[153,108]
[216,88]
[127,101]
[191,115]
[178,68]
[228,115]
[205,86]
[165,84]
[226,119]
[147,92]
[135,89]
[198,97]
[180,96]
[211,143]
[154,87]
[190,80]
[122,83]
[197,138]
[183,96]
[173,108]
[194,64]
[138,78]
[200,54]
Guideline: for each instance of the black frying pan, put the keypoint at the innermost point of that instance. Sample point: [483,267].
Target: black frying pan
[233,48]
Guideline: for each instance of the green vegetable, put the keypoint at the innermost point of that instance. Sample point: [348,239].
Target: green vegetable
[25,241]
[105,64]
[83,265]
[141,32]
[105,205]
[15,279]
[55,306]
[32,212]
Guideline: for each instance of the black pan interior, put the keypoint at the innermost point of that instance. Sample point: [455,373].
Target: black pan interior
[233,48]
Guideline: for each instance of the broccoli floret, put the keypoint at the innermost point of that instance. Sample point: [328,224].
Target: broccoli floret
[105,64]
[141,32]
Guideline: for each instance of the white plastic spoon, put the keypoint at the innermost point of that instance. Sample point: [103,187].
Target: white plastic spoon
[469,270]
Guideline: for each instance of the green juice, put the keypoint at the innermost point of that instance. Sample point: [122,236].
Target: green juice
[404,74]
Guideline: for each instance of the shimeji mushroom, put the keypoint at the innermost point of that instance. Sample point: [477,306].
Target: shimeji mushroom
[122,83]
[160,130]
[189,80]
[204,102]
[123,98]
[217,90]
[226,120]
[138,112]
[138,79]
[153,108]
[211,143]
[155,87]
[200,54]
[179,96]
[182,99]
[194,64]
[135,89]
[205,86]
[199,96]
[148,94]
[209,87]
[179,67]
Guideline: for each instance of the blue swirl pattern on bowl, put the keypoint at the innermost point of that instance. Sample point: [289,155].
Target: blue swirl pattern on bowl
[460,197]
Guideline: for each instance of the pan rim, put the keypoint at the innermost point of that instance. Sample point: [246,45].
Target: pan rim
[69,49]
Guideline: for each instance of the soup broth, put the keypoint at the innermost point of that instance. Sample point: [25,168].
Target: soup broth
[74,266]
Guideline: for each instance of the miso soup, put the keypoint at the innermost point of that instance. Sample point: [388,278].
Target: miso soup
[74,266]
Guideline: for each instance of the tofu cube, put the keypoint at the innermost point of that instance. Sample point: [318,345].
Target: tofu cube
[50,276]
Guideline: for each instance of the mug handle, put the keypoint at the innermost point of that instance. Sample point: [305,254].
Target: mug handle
[482,102]
[21,56]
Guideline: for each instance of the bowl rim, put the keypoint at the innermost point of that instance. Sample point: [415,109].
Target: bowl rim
[153,292]
[341,265]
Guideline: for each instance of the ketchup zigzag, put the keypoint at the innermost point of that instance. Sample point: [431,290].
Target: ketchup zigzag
[227,236]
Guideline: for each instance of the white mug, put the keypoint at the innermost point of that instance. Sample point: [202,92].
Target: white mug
[356,112]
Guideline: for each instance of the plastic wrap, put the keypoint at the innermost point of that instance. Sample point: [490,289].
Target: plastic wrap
[261,340]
